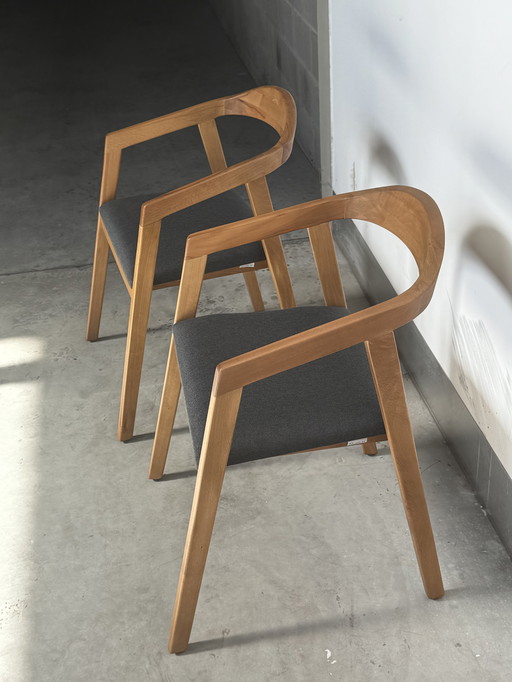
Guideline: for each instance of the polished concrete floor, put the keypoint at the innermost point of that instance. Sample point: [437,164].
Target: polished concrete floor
[311,574]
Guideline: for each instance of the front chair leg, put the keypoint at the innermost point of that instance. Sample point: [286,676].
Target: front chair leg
[136,339]
[217,440]
[142,289]
[385,366]
[168,404]
[99,275]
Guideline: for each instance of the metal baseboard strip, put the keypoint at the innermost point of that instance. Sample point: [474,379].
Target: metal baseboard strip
[486,475]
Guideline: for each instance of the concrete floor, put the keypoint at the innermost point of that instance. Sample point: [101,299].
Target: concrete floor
[311,573]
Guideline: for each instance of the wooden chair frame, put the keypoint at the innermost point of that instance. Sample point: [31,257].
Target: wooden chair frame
[413,217]
[272,105]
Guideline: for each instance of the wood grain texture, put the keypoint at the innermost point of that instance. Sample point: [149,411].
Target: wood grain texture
[259,265]
[108,189]
[253,288]
[370,448]
[212,145]
[99,276]
[110,174]
[406,212]
[324,253]
[220,425]
[261,203]
[186,306]
[188,296]
[272,105]
[385,366]
[145,261]
[414,217]
[166,415]
[269,104]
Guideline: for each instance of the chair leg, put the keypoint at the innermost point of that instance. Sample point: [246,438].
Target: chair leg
[137,329]
[251,282]
[385,366]
[168,404]
[276,260]
[99,276]
[142,289]
[261,202]
[324,253]
[220,425]
[370,448]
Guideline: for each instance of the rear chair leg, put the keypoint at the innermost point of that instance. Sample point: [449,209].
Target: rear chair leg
[276,260]
[385,366]
[251,282]
[324,253]
[168,405]
[218,435]
[261,202]
[370,448]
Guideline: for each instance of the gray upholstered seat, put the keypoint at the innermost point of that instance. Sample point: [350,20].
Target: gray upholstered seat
[328,401]
[121,219]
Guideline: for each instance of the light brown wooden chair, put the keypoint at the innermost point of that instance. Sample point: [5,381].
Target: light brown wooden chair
[275,382]
[147,233]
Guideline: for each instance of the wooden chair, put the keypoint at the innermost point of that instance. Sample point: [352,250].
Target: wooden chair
[147,233]
[275,382]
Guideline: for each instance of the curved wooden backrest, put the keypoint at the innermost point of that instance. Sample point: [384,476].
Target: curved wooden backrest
[413,217]
[270,104]
[273,105]
[410,214]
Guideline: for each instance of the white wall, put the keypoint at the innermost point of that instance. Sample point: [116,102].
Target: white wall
[422,95]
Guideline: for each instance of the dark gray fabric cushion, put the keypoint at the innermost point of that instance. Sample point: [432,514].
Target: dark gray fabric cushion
[121,219]
[328,401]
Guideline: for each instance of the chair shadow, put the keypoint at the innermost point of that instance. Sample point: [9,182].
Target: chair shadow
[188,473]
[111,337]
[309,627]
[123,335]
[151,434]
[248,637]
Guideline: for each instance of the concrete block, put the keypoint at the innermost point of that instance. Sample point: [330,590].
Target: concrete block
[307,10]
[302,41]
[285,21]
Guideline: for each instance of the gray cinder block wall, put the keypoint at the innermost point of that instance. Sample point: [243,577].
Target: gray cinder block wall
[278,42]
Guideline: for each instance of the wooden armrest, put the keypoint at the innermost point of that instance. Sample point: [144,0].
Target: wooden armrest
[222,181]
[281,116]
[162,125]
[317,342]
[264,226]
[415,220]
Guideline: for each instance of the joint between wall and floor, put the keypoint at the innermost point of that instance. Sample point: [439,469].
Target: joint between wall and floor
[480,464]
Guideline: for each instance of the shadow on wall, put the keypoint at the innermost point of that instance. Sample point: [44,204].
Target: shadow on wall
[383,168]
[384,161]
[494,170]
[494,250]
[482,326]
